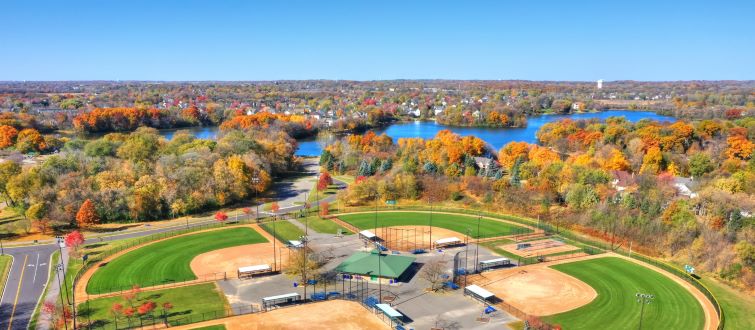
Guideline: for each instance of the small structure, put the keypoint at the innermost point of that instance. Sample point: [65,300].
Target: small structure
[392,314]
[493,263]
[250,271]
[479,293]
[448,241]
[295,244]
[283,299]
[368,236]
[378,267]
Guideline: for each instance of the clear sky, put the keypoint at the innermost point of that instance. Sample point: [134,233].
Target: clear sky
[368,40]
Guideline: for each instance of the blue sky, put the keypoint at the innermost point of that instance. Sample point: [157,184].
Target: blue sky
[367,40]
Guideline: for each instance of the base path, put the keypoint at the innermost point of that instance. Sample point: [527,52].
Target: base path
[537,290]
[229,260]
[334,314]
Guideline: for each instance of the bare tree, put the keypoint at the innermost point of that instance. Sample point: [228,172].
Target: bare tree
[433,271]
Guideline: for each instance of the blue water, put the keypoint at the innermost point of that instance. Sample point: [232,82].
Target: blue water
[496,137]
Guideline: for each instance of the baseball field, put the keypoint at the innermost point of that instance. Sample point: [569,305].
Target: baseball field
[166,261]
[616,282]
[455,222]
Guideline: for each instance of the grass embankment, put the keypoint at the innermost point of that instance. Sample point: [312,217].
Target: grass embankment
[315,195]
[347,179]
[5,262]
[457,223]
[739,307]
[323,226]
[616,282]
[283,230]
[166,261]
[54,260]
[193,301]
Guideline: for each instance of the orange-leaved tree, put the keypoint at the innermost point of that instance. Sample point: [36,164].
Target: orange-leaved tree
[87,215]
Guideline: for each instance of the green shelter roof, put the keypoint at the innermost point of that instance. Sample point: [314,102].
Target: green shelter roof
[366,263]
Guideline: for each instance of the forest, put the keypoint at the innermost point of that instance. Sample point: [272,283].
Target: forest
[682,190]
[139,176]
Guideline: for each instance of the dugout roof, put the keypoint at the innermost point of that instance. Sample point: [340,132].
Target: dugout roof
[366,263]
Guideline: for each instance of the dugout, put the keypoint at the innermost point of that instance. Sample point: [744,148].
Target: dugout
[446,242]
[368,236]
[493,263]
[295,244]
[479,293]
[393,315]
[250,271]
[280,300]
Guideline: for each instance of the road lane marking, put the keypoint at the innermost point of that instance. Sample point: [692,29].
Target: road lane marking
[18,293]
[35,270]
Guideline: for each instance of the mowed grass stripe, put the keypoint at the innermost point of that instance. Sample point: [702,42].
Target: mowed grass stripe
[617,281]
[166,261]
[455,222]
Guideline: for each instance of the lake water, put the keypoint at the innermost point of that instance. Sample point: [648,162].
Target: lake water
[496,137]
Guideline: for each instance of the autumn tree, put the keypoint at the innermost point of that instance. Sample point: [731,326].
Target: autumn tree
[221,216]
[324,181]
[324,208]
[8,136]
[74,240]
[274,207]
[87,215]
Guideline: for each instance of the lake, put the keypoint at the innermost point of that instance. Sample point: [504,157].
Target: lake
[496,137]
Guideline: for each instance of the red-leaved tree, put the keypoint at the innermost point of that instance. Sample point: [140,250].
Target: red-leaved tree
[324,181]
[274,207]
[324,208]
[146,308]
[74,240]
[221,216]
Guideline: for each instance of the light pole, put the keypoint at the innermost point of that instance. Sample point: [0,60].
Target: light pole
[466,258]
[380,253]
[58,269]
[61,244]
[2,249]
[256,180]
[429,201]
[477,244]
[643,299]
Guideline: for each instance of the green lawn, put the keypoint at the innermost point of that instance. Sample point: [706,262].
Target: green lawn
[166,261]
[739,307]
[455,222]
[617,281]
[5,261]
[189,301]
[284,230]
[211,327]
[324,226]
[348,179]
[315,195]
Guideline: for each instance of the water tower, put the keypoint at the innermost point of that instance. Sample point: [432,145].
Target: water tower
[600,83]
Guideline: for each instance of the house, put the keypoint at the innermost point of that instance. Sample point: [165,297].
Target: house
[682,186]
[483,163]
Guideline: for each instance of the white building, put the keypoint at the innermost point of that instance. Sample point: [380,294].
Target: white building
[600,83]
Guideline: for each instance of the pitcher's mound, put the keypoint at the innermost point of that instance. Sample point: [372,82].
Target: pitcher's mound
[537,290]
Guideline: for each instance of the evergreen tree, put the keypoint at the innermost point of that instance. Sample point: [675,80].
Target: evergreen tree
[515,180]
[430,168]
[325,157]
[386,165]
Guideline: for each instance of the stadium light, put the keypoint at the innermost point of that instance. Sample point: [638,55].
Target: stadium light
[58,270]
[256,180]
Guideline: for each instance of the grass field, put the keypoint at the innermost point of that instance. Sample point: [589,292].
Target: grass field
[616,282]
[323,225]
[284,230]
[166,261]
[211,327]
[315,195]
[4,269]
[457,223]
[187,301]
[739,307]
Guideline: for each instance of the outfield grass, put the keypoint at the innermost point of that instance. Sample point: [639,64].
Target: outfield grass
[617,281]
[323,226]
[284,230]
[457,223]
[739,307]
[187,301]
[166,261]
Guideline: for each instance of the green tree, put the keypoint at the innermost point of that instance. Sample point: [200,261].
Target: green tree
[699,164]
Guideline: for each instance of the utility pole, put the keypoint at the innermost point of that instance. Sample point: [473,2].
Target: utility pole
[477,244]
[58,269]
[256,180]
[643,299]
[61,244]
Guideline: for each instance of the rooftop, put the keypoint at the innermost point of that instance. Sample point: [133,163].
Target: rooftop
[366,263]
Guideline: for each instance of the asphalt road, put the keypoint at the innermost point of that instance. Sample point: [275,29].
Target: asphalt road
[31,267]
